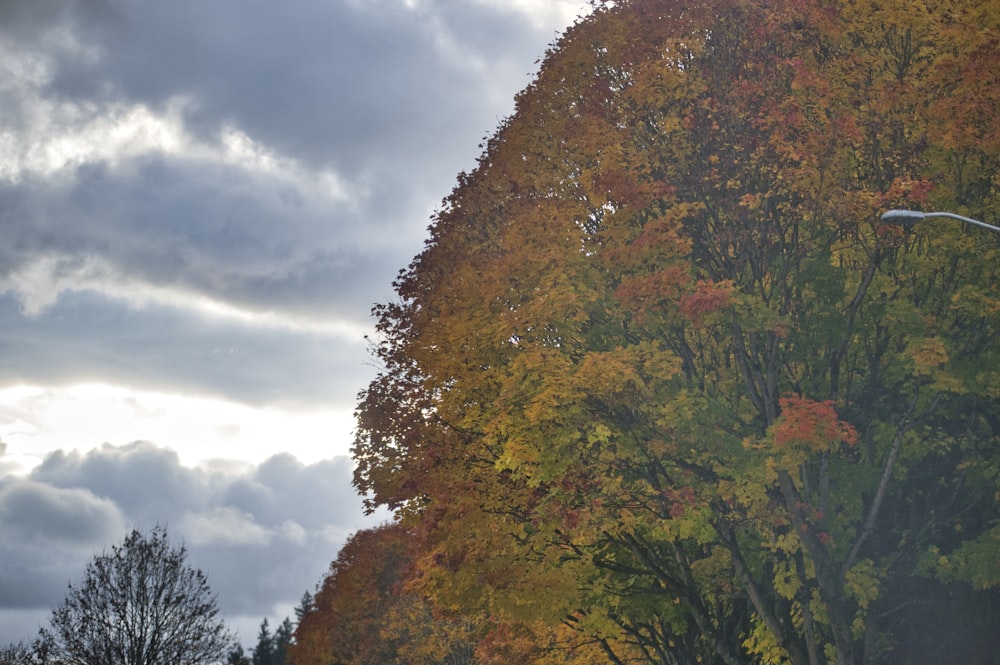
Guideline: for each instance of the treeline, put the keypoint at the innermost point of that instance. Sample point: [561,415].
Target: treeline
[141,603]
[271,648]
[663,388]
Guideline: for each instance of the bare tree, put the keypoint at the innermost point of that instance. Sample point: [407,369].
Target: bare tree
[17,654]
[140,604]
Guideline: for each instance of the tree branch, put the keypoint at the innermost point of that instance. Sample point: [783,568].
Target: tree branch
[887,469]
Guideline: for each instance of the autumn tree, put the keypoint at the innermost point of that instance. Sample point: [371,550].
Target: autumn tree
[660,375]
[139,604]
[363,614]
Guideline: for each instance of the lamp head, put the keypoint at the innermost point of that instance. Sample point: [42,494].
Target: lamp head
[902,217]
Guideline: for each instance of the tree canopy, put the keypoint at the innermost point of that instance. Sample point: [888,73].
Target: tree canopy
[661,376]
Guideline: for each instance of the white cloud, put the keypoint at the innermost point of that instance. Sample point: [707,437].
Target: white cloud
[61,135]
[544,13]
[224,525]
[110,135]
[36,420]
[293,532]
[37,285]
[64,135]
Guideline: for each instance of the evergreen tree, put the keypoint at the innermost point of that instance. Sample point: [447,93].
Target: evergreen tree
[283,638]
[237,656]
[263,653]
[306,605]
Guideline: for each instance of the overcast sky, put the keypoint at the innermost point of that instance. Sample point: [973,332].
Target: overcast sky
[200,200]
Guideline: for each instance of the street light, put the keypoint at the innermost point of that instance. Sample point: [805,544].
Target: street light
[908,217]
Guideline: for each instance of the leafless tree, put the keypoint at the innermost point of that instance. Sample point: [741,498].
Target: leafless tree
[140,604]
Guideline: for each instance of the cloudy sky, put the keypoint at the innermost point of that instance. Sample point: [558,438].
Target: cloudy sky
[200,200]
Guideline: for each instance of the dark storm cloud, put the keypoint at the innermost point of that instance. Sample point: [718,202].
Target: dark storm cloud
[263,536]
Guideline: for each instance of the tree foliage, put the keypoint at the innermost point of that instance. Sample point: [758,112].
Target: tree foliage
[362,614]
[272,648]
[368,610]
[659,374]
[140,604]
[267,650]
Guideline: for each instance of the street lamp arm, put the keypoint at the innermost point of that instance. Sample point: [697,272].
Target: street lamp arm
[906,217]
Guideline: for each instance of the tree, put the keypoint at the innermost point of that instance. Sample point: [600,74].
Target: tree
[659,374]
[237,656]
[352,601]
[283,638]
[304,607]
[264,651]
[17,654]
[272,648]
[362,614]
[140,604]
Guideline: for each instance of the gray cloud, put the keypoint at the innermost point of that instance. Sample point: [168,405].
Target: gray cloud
[258,242]
[263,536]
[34,512]
[366,111]
[44,532]
[146,479]
[300,75]
[86,336]
[368,89]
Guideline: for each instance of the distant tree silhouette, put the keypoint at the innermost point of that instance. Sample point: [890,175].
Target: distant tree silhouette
[16,654]
[272,648]
[306,605]
[237,656]
[140,604]
[263,652]
[283,637]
